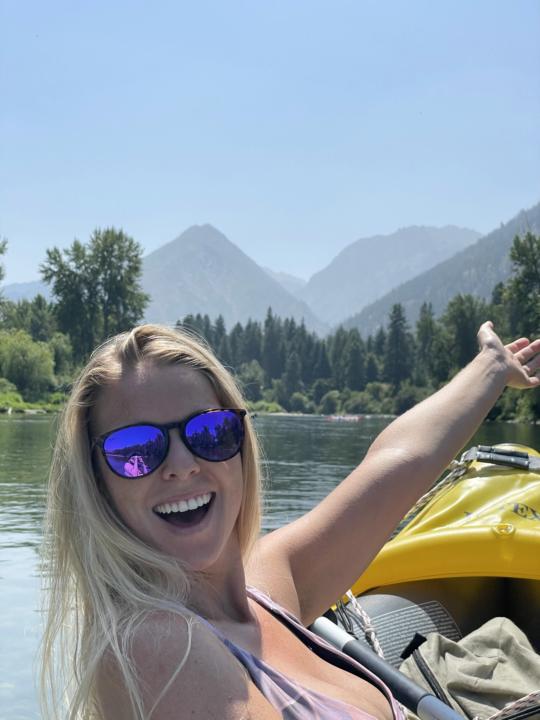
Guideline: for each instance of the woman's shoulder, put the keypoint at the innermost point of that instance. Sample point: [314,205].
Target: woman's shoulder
[268,569]
[184,670]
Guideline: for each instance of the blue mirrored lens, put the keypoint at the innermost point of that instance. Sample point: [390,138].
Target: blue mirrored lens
[216,435]
[135,451]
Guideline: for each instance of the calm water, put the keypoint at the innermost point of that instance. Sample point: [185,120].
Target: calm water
[305,458]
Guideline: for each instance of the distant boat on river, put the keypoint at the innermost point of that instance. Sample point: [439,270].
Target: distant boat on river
[345,418]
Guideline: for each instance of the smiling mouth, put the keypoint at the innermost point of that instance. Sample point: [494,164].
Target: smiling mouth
[182,515]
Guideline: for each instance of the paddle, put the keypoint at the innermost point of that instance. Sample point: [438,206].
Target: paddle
[406,692]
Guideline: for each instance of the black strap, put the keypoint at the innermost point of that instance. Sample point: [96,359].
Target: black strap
[415,643]
[430,678]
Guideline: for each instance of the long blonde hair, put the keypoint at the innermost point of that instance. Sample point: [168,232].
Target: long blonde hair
[101,580]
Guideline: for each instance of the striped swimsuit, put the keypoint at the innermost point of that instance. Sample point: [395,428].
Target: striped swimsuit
[288,697]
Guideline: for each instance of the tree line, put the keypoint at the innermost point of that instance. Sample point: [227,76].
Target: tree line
[279,363]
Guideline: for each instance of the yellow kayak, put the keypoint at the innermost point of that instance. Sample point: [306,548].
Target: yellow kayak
[469,553]
[486,524]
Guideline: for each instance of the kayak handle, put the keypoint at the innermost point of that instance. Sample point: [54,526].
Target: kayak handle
[502,451]
[497,458]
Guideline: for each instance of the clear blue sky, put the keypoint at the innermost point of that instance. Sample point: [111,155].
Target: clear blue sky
[294,126]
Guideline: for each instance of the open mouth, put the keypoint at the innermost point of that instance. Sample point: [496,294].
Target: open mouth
[186,513]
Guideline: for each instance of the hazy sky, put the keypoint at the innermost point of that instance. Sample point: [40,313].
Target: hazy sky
[293,126]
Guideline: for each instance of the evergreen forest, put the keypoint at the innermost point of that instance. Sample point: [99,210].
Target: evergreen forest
[281,366]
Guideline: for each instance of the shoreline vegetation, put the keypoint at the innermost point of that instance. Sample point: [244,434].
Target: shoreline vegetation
[280,365]
[44,408]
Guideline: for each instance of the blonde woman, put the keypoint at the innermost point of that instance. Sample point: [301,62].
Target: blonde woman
[164,603]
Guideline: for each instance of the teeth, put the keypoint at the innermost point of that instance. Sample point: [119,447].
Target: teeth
[183,505]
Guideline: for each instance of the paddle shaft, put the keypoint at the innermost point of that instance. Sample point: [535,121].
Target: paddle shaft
[406,692]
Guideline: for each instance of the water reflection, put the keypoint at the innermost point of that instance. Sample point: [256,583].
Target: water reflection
[305,458]
[25,449]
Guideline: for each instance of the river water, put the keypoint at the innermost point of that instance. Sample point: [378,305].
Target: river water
[305,458]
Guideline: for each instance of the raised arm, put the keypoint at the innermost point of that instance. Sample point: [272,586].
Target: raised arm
[314,560]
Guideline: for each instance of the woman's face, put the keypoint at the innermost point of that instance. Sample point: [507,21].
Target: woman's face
[163,394]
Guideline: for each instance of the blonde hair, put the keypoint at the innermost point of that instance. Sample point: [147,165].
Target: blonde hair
[101,580]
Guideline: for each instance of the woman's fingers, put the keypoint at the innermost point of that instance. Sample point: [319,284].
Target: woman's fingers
[517,345]
[533,348]
[530,358]
[526,352]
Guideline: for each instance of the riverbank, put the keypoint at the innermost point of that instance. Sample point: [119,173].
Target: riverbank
[12,403]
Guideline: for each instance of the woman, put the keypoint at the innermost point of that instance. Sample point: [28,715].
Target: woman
[159,585]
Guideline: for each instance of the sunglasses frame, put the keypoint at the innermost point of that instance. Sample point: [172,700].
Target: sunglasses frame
[165,428]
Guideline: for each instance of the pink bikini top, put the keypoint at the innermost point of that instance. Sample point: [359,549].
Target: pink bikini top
[288,697]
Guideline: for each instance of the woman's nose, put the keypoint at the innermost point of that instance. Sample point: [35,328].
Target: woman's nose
[180,461]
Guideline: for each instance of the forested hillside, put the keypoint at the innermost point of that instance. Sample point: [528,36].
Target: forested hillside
[475,270]
[370,267]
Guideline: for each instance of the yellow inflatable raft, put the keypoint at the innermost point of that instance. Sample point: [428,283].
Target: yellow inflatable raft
[484,524]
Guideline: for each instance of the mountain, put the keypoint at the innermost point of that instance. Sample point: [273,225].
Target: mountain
[203,272]
[475,270]
[291,283]
[26,291]
[370,267]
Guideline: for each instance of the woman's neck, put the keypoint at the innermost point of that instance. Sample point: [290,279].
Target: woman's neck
[220,594]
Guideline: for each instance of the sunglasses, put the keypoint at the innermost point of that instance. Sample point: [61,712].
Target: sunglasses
[138,450]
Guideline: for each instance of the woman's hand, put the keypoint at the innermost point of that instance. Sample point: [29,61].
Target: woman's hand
[521,358]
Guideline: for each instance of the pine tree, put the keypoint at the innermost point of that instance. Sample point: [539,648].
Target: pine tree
[462,318]
[337,361]
[498,310]
[322,369]
[426,328]
[224,351]
[372,368]
[292,377]
[219,332]
[272,348]
[369,344]
[398,358]
[308,354]
[354,360]
[379,343]
[236,340]
[523,289]
[252,345]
